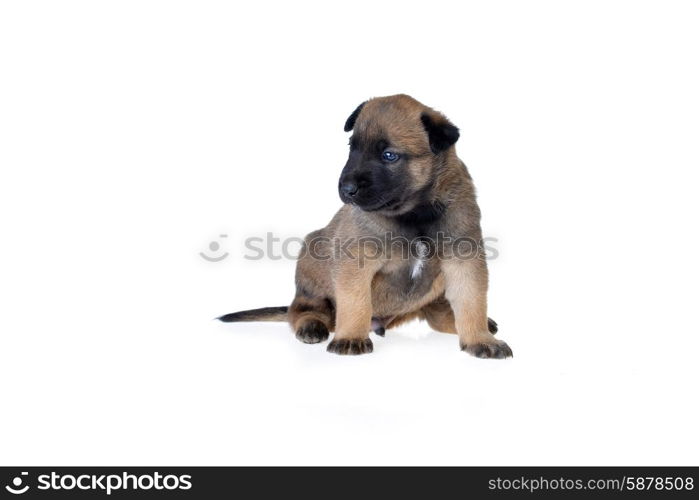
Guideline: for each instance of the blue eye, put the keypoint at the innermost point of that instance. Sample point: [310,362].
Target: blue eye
[390,156]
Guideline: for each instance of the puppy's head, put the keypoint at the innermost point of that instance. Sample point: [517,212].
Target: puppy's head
[397,147]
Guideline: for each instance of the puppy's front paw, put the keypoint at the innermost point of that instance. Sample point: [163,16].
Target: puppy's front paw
[351,346]
[312,332]
[497,350]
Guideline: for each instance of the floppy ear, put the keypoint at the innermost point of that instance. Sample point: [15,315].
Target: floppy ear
[441,132]
[349,124]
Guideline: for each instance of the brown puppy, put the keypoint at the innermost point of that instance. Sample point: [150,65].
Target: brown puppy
[395,250]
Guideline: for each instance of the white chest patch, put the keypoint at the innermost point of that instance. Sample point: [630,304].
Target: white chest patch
[419,263]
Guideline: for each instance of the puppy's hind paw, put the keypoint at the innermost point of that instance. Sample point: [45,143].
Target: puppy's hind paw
[492,326]
[312,332]
[351,346]
[498,350]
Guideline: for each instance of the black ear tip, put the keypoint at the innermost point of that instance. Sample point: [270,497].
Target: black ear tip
[349,124]
[452,132]
[441,132]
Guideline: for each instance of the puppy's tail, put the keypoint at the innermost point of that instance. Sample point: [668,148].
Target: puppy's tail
[262,314]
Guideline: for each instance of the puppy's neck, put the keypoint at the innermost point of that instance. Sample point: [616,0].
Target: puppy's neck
[422,217]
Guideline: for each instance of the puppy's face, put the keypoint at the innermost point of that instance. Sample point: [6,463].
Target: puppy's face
[396,149]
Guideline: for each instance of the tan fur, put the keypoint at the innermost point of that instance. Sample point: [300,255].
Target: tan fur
[456,300]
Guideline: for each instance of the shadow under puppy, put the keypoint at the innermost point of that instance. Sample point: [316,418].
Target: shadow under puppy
[402,179]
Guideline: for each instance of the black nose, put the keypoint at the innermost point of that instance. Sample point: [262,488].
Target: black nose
[349,188]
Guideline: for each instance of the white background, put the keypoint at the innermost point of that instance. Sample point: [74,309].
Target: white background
[134,133]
